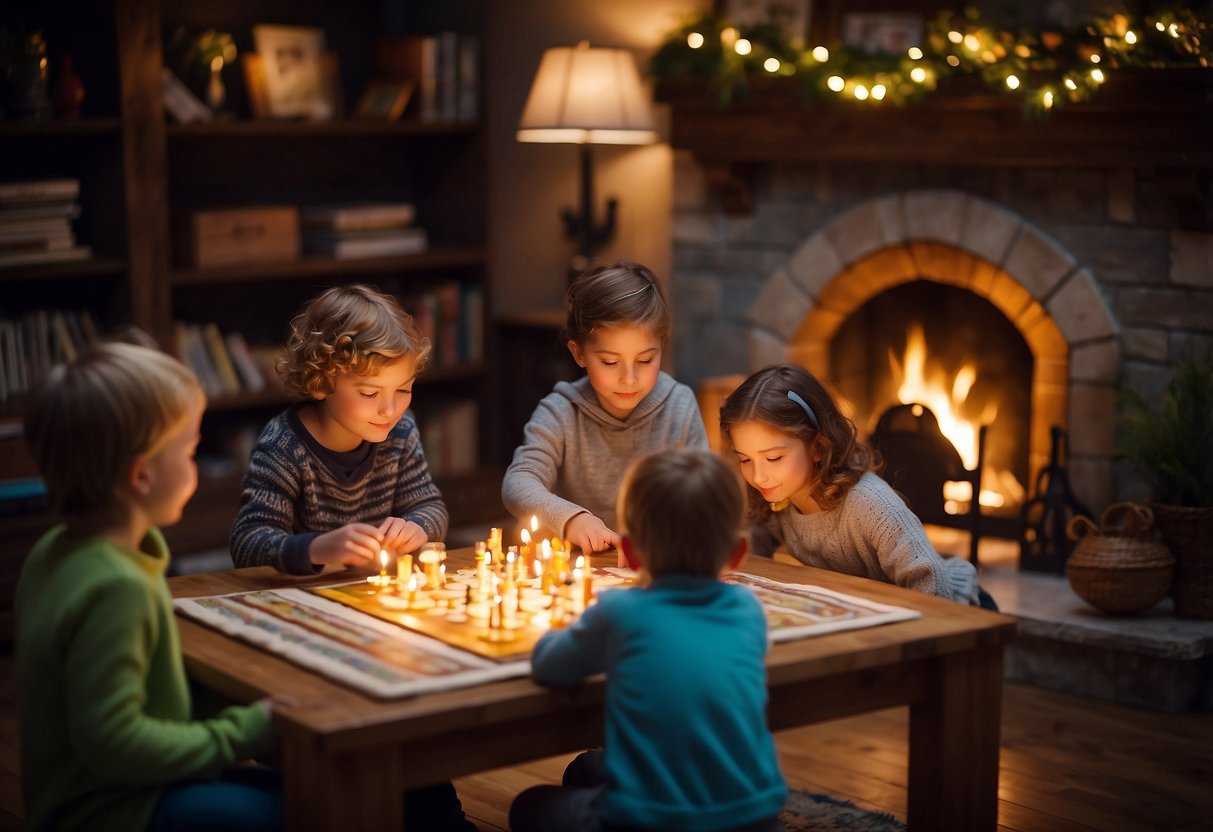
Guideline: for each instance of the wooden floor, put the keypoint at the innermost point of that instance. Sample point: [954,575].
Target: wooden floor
[1068,764]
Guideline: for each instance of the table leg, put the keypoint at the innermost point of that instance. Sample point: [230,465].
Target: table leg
[347,791]
[954,744]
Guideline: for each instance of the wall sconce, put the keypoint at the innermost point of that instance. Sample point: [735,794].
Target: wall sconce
[587,95]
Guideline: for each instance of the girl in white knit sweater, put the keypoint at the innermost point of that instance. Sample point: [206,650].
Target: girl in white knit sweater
[814,490]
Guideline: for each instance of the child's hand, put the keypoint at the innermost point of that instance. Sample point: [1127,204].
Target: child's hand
[355,544]
[401,536]
[590,533]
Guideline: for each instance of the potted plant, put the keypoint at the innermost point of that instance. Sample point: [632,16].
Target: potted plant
[1171,445]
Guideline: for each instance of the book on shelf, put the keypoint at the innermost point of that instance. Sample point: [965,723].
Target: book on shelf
[225,369]
[225,364]
[451,316]
[449,431]
[33,192]
[31,345]
[31,258]
[35,222]
[351,245]
[445,67]
[252,378]
[56,240]
[179,102]
[357,216]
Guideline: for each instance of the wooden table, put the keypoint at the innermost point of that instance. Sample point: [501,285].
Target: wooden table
[346,757]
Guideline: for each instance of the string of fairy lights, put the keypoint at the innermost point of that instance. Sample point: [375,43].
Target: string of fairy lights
[1047,68]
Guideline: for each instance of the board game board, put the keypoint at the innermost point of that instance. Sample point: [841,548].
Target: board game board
[372,640]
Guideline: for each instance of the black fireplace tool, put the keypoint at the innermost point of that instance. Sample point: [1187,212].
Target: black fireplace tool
[1043,545]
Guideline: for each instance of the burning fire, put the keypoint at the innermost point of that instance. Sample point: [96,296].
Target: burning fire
[946,400]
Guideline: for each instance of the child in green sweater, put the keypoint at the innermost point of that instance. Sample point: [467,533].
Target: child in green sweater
[105,713]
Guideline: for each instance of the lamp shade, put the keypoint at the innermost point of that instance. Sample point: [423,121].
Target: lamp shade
[587,95]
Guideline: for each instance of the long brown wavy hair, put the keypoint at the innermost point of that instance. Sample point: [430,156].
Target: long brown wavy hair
[763,397]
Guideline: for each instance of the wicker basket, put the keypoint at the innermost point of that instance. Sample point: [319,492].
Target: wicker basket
[1122,567]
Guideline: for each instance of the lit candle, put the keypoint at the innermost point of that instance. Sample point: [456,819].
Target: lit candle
[431,557]
[587,582]
[578,604]
[547,565]
[381,580]
[412,599]
[404,569]
[524,554]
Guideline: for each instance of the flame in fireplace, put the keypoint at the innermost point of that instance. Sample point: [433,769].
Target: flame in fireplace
[946,399]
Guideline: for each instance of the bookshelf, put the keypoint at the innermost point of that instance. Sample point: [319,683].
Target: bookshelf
[138,170]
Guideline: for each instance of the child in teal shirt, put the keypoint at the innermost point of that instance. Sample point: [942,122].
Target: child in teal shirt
[687,744]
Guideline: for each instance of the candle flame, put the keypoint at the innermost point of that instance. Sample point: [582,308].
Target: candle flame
[383,558]
[547,549]
[580,563]
[534,523]
[526,537]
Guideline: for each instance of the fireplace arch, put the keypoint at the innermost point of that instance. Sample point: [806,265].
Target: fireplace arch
[955,238]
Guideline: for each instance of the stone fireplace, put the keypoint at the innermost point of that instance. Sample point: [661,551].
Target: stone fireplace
[1095,273]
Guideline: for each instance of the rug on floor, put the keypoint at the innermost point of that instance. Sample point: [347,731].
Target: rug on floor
[813,812]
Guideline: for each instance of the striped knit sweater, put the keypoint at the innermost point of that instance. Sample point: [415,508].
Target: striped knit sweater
[291,496]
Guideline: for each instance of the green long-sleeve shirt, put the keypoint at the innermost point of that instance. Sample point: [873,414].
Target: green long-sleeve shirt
[104,703]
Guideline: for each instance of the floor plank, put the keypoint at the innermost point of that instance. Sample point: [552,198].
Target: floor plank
[1068,764]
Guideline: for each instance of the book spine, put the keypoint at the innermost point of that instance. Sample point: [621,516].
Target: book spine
[217,349]
[250,374]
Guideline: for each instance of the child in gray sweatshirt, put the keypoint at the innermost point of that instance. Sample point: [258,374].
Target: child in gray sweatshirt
[584,435]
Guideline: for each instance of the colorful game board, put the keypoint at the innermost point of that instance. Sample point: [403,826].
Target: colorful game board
[370,639]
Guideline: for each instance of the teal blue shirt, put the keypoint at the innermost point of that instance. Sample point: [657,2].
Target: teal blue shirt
[104,702]
[687,744]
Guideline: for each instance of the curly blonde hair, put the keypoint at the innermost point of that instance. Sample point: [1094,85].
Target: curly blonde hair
[763,397]
[347,329]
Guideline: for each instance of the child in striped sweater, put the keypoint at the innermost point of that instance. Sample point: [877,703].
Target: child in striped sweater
[341,475]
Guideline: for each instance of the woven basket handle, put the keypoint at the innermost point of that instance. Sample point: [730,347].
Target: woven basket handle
[1079,526]
[1129,519]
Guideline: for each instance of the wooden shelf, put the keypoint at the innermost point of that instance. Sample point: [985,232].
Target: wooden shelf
[1157,119]
[303,129]
[16,128]
[438,258]
[92,267]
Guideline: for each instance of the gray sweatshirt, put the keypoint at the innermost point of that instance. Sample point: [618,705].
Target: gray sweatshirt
[574,454]
[873,534]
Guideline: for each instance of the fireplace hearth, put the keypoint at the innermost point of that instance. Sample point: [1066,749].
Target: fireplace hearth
[1079,250]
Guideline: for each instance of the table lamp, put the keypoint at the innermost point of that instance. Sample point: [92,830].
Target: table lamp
[587,95]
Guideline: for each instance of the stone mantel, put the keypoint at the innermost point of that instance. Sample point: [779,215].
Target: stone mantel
[1158,122]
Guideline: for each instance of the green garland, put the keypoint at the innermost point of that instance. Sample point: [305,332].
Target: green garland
[1047,68]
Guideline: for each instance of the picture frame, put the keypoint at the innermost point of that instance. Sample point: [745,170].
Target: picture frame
[296,75]
[385,99]
[881,32]
[792,16]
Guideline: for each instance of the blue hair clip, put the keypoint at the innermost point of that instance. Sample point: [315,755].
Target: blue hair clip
[808,411]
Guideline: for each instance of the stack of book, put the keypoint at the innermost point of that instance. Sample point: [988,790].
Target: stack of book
[224,364]
[35,222]
[361,229]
